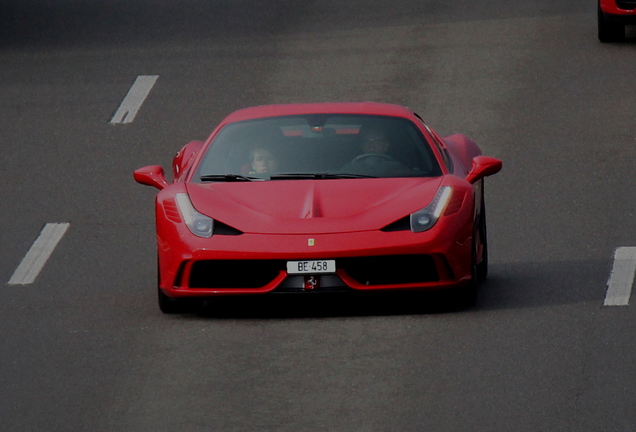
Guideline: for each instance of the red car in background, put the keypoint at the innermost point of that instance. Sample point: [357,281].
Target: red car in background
[613,15]
[332,197]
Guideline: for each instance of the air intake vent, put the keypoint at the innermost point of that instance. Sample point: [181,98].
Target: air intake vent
[171,211]
[391,269]
[222,229]
[403,224]
[626,4]
[234,273]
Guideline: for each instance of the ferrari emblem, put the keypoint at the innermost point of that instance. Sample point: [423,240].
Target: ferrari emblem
[311,242]
[312,282]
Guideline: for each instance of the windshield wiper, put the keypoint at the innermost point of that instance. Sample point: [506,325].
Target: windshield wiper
[318,176]
[228,178]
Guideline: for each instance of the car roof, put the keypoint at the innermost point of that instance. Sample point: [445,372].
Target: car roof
[369,108]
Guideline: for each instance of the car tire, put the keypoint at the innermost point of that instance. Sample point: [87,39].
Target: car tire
[465,296]
[482,267]
[609,31]
[169,305]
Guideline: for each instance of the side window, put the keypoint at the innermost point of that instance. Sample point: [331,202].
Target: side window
[440,147]
[447,160]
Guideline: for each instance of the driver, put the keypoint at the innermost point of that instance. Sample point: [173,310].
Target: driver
[375,142]
[374,159]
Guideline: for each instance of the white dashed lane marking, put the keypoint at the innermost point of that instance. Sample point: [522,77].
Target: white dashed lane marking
[38,255]
[619,285]
[134,99]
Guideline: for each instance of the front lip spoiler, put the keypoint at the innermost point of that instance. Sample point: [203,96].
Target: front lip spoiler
[624,19]
[271,288]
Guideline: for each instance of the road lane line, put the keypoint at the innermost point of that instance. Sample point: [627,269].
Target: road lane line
[38,255]
[134,99]
[619,285]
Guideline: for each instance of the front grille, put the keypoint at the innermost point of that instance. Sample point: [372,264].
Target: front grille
[374,270]
[234,273]
[326,283]
[391,269]
[626,4]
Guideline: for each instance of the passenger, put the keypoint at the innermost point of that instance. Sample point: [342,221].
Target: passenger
[262,161]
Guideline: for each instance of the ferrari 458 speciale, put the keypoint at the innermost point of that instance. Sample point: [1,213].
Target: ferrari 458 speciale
[327,197]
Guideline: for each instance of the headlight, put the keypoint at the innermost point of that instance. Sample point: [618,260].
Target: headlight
[424,219]
[199,224]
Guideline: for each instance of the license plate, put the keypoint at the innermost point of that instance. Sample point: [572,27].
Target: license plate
[311,267]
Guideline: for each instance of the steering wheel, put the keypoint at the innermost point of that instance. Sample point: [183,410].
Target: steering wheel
[362,157]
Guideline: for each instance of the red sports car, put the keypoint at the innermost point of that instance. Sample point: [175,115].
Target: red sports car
[613,15]
[321,198]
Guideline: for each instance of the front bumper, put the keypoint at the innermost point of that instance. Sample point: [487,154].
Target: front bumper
[365,261]
[623,11]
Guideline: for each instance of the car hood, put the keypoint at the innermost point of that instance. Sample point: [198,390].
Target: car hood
[312,206]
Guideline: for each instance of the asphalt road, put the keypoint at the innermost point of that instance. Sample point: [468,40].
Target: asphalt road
[84,347]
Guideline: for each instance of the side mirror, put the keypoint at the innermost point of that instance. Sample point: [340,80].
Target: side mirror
[483,166]
[152,175]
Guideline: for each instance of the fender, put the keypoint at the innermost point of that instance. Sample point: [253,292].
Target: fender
[183,159]
[464,148]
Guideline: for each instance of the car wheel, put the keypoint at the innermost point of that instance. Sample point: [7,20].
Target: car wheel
[465,296]
[169,305]
[609,31]
[482,267]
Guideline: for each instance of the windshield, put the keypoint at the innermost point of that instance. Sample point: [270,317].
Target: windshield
[324,146]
